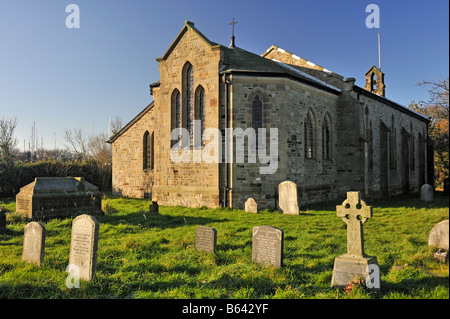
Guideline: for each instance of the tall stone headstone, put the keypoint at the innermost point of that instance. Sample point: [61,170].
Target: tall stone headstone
[83,246]
[355,263]
[206,239]
[287,198]
[267,246]
[34,243]
[251,206]
[426,193]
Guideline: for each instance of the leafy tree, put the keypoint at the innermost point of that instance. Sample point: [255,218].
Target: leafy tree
[437,108]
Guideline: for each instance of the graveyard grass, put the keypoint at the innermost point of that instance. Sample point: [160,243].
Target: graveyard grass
[144,256]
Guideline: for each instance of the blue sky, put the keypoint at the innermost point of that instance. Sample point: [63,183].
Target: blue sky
[79,78]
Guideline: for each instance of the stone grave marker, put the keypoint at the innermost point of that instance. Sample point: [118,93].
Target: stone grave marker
[355,263]
[287,198]
[426,193]
[34,243]
[439,238]
[83,246]
[2,219]
[153,208]
[267,246]
[251,206]
[206,239]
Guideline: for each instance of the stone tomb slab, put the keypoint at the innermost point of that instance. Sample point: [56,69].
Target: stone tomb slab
[287,198]
[34,243]
[206,239]
[267,246]
[83,246]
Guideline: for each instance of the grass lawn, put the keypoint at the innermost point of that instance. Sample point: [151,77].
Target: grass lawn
[142,256]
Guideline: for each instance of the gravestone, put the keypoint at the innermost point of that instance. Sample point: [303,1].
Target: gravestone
[267,246]
[206,239]
[83,246]
[426,193]
[439,238]
[34,243]
[355,263]
[251,206]
[2,220]
[48,197]
[153,208]
[287,198]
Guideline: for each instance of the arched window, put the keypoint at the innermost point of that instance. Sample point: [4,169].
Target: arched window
[393,144]
[326,138]
[200,108]
[309,135]
[373,82]
[148,145]
[188,98]
[257,119]
[176,115]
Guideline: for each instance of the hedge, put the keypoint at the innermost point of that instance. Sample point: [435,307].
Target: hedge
[15,175]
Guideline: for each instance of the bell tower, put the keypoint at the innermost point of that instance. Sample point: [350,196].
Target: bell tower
[375,81]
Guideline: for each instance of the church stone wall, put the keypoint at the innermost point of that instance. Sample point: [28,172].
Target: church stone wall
[128,175]
[285,103]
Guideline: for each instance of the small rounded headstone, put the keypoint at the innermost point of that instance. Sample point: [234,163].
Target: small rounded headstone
[439,235]
[251,206]
[426,193]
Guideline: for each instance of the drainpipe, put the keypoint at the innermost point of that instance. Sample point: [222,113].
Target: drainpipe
[226,168]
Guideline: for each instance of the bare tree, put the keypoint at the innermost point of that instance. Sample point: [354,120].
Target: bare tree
[116,125]
[77,143]
[99,149]
[7,140]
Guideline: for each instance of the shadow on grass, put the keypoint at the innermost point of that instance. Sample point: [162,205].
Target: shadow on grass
[156,221]
[410,286]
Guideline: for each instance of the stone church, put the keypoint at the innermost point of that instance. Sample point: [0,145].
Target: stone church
[332,135]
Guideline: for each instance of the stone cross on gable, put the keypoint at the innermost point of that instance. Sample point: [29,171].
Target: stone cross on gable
[232,23]
[232,44]
[354,212]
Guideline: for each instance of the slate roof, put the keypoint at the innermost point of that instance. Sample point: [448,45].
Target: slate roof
[238,60]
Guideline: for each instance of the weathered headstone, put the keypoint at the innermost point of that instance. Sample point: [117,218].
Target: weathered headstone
[426,193]
[34,243]
[251,206]
[439,238]
[287,198]
[153,208]
[267,246]
[206,239]
[83,246]
[355,263]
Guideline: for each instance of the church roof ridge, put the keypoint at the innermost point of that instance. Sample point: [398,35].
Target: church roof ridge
[298,58]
